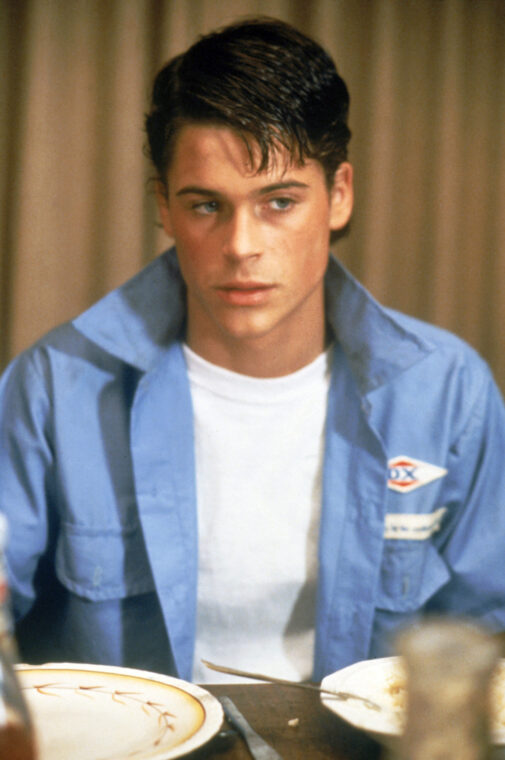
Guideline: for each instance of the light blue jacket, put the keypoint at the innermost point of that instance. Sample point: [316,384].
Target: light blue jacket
[97,481]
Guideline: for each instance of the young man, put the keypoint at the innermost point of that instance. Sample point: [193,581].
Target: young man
[239,455]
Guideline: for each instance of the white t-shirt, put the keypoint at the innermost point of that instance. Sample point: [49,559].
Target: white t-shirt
[259,448]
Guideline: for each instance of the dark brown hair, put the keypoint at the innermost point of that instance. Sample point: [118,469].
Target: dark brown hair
[262,78]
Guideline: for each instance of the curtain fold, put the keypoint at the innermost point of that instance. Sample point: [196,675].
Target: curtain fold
[427,83]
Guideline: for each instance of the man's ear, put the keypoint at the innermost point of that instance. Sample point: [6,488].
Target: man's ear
[163,208]
[341,197]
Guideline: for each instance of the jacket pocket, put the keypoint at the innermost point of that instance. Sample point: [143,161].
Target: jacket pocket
[411,573]
[104,563]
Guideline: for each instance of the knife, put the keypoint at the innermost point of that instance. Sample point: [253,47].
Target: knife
[257,746]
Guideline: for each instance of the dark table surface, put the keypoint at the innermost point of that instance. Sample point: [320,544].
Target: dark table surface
[268,708]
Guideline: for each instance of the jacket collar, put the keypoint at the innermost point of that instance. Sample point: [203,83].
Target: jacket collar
[375,340]
[138,321]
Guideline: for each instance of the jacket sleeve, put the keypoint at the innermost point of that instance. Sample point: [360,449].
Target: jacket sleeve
[473,543]
[26,466]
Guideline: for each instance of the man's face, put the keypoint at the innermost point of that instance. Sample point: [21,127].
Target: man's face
[253,248]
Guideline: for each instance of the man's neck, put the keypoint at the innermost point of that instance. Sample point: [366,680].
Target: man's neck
[261,356]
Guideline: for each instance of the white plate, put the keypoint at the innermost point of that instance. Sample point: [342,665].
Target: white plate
[371,679]
[88,712]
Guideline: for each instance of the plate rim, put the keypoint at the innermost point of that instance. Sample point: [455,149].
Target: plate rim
[211,706]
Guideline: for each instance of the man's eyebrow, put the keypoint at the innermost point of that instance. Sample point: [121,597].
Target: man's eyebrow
[281,186]
[275,187]
[196,190]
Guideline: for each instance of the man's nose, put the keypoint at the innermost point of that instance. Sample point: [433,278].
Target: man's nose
[242,234]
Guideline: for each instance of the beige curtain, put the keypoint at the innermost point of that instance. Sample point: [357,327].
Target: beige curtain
[427,81]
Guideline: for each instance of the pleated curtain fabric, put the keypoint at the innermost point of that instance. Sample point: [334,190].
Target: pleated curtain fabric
[427,83]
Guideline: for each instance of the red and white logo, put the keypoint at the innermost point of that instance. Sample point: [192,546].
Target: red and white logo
[406,474]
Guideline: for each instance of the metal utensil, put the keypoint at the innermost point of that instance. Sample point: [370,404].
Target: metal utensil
[257,746]
[341,695]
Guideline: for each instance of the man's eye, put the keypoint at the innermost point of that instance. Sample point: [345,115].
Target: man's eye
[281,204]
[206,207]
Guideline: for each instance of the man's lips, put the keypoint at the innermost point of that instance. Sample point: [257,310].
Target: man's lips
[245,293]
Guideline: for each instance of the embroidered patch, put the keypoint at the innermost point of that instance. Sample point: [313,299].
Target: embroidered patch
[413,527]
[407,474]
